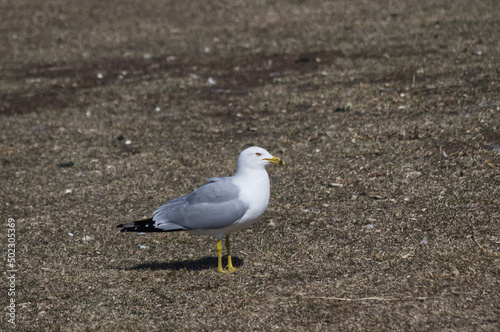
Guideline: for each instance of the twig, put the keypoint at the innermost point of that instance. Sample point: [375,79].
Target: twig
[468,153]
[54,291]
[370,298]
[346,299]
[486,251]
[492,165]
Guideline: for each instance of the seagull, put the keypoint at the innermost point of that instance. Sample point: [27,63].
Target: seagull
[221,206]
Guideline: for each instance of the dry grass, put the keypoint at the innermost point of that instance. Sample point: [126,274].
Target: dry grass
[385,217]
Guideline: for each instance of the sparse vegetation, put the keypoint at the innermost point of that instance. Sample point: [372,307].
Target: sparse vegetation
[387,114]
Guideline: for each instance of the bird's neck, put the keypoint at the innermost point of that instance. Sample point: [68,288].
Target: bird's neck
[257,176]
[255,173]
[255,187]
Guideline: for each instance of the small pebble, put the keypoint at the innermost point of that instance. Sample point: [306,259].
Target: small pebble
[211,81]
[369,226]
[87,238]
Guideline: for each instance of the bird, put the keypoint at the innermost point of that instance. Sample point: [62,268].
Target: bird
[221,206]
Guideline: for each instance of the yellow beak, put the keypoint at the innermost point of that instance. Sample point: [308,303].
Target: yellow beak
[276,160]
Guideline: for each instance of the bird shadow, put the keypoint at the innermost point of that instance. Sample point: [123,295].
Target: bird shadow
[204,263]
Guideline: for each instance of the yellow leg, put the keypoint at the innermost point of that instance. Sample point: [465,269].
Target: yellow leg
[230,266]
[219,257]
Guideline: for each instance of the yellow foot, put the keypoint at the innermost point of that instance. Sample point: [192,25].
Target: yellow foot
[230,267]
[229,270]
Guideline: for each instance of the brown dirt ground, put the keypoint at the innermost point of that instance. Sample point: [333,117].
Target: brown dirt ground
[387,113]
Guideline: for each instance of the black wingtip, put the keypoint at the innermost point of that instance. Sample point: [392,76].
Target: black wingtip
[146,225]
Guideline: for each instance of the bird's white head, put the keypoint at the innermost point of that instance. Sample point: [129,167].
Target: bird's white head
[255,158]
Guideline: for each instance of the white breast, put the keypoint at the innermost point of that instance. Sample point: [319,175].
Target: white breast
[254,192]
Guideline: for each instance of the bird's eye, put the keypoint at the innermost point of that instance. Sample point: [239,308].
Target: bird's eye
[258,154]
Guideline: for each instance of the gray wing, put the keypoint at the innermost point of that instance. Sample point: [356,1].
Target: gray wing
[213,205]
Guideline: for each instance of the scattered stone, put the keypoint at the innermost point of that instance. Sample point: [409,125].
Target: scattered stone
[413,174]
[211,81]
[369,226]
[86,239]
